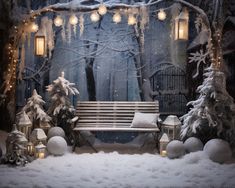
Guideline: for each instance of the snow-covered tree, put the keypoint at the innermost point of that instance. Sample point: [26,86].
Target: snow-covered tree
[35,111]
[213,113]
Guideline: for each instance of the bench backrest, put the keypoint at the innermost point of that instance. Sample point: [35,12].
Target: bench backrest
[111,113]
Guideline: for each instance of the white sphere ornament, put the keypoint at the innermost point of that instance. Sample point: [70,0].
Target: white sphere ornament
[218,150]
[73,20]
[117,18]
[34,27]
[55,131]
[161,15]
[95,17]
[102,10]
[131,20]
[175,149]
[56,145]
[58,21]
[193,144]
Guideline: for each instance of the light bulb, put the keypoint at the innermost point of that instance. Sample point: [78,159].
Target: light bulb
[34,27]
[131,20]
[102,10]
[94,17]
[117,18]
[161,15]
[73,20]
[58,21]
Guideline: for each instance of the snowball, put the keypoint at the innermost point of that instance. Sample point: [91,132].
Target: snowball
[175,149]
[57,145]
[218,150]
[55,131]
[193,144]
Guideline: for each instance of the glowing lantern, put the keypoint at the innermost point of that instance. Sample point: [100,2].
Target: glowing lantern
[40,151]
[58,21]
[117,18]
[40,45]
[34,27]
[161,15]
[102,10]
[95,17]
[131,20]
[164,140]
[73,20]
[30,149]
[181,26]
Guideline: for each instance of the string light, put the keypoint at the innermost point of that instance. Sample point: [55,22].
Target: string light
[34,27]
[58,21]
[73,20]
[102,10]
[117,18]
[94,17]
[131,20]
[161,15]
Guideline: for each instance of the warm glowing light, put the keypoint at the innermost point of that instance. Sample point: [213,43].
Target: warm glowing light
[102,10]
[181,26]
[161,15]
[73,20]
[94,17]
[34,27]
[39,45]
[58,21]
[117,18]
[131,20]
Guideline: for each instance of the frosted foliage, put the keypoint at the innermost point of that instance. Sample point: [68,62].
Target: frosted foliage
[193,144]
[57,145]
[213,113]
[59,91]
[175,149]
[34,108]
[55,131]
[218,150]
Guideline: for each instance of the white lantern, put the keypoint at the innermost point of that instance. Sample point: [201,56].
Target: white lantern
[58,21]
[73,20]
[102,10]
[94,17]
[117,17]
[30,148]
[181,26]
[38,135]
[164,140]
[171,125]
[131,20]
[34,27]
[161,15]
[24,124]
[40,151]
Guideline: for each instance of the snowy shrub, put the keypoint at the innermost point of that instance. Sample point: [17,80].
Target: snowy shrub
[57,145]
[193,144]
[218,150]
[55,131]
[175,149]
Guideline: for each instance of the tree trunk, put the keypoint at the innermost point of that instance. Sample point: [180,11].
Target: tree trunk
[90,81]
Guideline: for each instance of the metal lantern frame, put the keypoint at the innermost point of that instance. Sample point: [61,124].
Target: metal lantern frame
[181,26]
[40,42]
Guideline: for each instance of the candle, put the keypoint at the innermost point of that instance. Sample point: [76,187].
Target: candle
[164,153]
[41,155]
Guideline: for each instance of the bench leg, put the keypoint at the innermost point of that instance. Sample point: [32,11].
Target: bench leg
[87,142]
[76,140]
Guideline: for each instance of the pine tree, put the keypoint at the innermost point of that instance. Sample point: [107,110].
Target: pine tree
[213,113]
[35,111]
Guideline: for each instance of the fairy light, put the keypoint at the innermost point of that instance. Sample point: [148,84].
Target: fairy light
[161,15]
[58,21]
[117,18]
[94,17]
[102,10]
[131,20]
[34,27]
[73,20]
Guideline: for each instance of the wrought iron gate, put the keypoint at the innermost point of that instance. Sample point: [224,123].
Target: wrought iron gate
[170,89]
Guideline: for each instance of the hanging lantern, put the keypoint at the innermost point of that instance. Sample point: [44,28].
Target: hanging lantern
[164,140]
[102,10]
[40,151]
[40,45]
[30,148]
[58,21]
[131,20]
[181,26]
[117,17]
[161,15]
[73,20]
[94,17]
[34,27]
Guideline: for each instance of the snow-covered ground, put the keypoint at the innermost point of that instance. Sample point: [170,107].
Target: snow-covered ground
[119,170]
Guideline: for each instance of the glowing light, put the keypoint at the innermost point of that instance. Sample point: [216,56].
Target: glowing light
[73,20]
[117,17]
[34,27]
[58,21]
[39,45]
[131,20]
[161,15]
[102,10]
[94,17]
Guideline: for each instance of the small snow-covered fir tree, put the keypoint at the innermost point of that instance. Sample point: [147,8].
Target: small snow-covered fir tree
[213,113]
[60,108]
[35,111]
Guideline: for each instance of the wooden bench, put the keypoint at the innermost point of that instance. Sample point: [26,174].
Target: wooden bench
[111,116]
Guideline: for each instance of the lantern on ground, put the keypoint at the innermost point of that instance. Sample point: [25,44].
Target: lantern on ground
[117,17]
[30,148]
[131,19]
[94,17]
[164,140]
[181,25]
[24,124]
[58,21]
[40,151]
[161,15]
[37,136]
[102,10]
[171,126]
[40,45]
